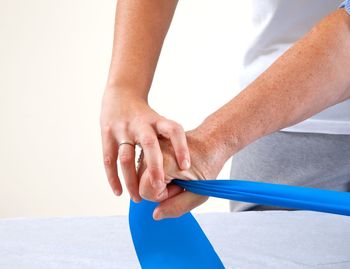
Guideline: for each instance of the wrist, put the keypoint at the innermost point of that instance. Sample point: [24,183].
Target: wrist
[126,92]
[204,150]
[217,142]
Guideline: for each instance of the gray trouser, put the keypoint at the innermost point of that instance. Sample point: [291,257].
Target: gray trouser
[304,159]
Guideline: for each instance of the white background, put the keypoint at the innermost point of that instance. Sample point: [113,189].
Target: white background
[54,58]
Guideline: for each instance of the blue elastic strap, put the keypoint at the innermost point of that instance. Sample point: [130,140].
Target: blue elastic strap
[346,5]
[294,197]
[181,243]
[170,243]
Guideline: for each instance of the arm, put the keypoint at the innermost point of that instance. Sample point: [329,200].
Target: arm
[140,29]
[311,76]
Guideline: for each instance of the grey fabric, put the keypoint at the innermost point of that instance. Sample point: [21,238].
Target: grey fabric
[246,240]
[304,159]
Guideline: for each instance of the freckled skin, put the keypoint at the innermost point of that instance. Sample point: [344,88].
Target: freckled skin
[311,76]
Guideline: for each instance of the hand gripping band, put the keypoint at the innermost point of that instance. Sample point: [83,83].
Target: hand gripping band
[181,243]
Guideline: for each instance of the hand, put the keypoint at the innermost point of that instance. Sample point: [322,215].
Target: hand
[174,201]
[126,117]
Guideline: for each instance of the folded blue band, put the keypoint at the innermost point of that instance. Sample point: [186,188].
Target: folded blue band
[178,243]
[294,197]
[181,243]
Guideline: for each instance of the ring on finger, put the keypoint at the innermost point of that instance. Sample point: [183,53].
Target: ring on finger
[126,142]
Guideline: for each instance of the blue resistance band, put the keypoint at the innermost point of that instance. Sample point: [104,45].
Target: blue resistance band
[181,243]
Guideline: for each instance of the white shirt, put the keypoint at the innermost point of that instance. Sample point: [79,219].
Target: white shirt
[278,24]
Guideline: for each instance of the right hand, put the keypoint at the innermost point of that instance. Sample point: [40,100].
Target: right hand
[126,117]
[175,201]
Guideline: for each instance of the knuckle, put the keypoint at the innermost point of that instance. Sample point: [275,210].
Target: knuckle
[108,161]
[125,158]
[111,127]
[177,210]
[175,128]
[141,121]
[122,126]
[148,141]
[106,129]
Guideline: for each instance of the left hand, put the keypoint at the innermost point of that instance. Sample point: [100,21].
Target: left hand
[174,201]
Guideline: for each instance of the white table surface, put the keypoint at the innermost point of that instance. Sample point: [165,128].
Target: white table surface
[272,239]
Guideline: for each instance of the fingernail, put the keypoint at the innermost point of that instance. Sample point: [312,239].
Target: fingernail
[117,192]
[158,215]
[136,199]
[186,164]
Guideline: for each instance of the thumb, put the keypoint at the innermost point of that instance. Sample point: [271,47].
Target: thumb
[148,191]
[178,205]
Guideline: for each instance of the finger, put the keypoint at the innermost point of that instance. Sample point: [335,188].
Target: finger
[173,190]
[127,162]
[148,192]
[176,134]
[110,154]
[178,205]
[153,156]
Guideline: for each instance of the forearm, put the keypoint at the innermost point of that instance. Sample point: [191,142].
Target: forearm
[140,29]
[311,76]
